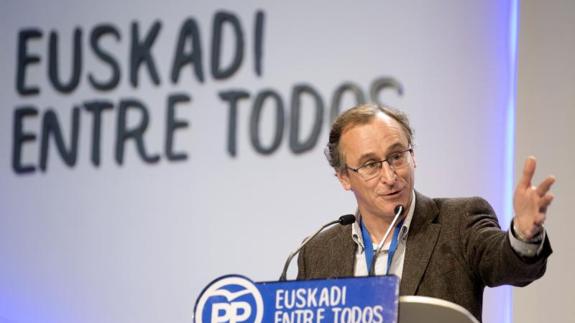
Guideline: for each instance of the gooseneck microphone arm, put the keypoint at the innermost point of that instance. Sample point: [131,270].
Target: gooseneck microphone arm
[343,220]
[398,211]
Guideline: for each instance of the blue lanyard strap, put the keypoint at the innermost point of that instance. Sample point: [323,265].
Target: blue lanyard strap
[393,245]
[368,245]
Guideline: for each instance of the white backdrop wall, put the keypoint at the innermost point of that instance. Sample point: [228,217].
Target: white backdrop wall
[545,117]
[121,239]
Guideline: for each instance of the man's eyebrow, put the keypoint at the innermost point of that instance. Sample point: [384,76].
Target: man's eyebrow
[395,146]
[367,156]
[371,155]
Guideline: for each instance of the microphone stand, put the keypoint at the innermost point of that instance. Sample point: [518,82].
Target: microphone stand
[343,220]
[398,211]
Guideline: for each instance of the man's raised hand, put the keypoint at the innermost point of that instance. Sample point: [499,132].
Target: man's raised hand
[530,202]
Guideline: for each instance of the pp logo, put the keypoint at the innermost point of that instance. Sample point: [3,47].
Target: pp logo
[230,299]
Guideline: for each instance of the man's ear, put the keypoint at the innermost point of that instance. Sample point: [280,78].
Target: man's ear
[343,177]
[413,157]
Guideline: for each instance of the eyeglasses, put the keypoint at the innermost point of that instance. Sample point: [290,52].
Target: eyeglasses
[372,169]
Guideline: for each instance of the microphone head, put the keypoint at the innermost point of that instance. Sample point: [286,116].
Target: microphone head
[346,219]
[398,209]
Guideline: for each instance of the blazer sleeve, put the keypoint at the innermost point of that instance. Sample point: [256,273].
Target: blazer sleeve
[489,252]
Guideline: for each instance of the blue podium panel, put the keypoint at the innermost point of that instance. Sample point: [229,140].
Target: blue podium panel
[235,298]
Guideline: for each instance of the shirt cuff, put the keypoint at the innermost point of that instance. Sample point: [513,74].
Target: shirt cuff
[527,249]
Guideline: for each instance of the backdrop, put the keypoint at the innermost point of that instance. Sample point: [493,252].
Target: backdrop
[148,148]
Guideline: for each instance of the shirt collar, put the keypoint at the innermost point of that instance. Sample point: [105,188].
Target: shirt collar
[356,229]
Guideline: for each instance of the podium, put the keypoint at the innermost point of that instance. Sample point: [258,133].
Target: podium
[416,309]
[235,298]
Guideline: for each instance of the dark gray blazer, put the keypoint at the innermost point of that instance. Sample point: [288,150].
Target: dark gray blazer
[455,248]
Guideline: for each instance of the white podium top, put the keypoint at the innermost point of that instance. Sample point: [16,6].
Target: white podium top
[419,309]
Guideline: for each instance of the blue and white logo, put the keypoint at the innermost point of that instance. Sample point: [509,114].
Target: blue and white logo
[230,299]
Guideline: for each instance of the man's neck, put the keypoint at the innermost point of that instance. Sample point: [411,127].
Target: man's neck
[378,226]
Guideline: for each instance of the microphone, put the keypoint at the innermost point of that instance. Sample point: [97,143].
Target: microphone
[343,220]
[398,211]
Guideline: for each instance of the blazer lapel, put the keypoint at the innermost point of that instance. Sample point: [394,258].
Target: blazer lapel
[421,241]
[345,253]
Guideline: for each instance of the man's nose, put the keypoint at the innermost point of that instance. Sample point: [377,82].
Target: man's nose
[388,175]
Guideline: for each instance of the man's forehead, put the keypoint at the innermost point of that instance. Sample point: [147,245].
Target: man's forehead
[374,139]
[381,125]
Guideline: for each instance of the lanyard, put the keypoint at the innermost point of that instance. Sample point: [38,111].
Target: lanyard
[368,245]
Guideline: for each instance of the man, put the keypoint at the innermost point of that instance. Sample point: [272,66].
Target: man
[445,248]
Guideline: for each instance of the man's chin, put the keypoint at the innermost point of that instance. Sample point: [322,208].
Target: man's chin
[392,201]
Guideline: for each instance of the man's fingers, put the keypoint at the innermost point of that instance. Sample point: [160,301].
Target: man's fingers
[528,171]
[544,186]
[545,201]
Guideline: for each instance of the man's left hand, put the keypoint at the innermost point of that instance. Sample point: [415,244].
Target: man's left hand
[530,202]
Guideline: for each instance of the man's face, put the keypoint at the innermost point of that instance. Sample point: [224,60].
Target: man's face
[370,142]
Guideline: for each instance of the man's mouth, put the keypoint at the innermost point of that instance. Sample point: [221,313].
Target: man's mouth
[393,194]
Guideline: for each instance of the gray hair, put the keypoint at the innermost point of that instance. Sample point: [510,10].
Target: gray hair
[359,115]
